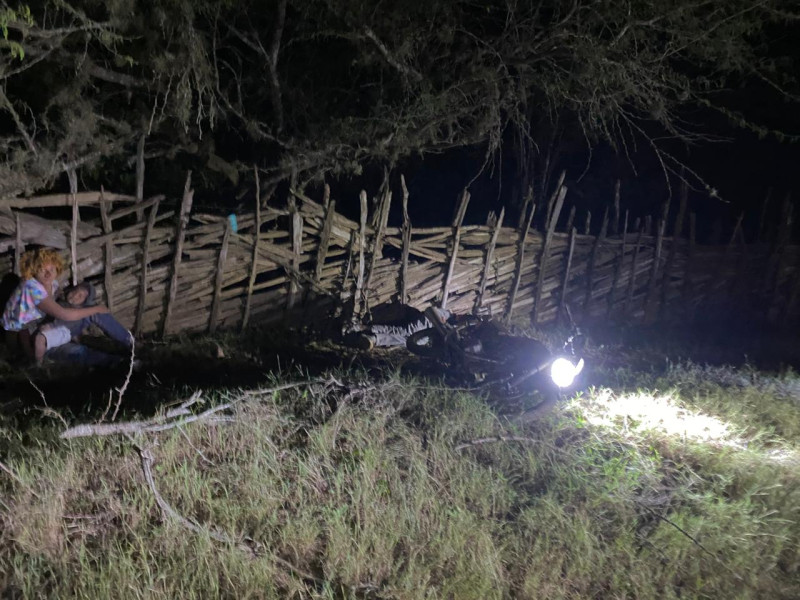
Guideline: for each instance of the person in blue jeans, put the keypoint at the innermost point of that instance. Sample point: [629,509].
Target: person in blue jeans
[57,340]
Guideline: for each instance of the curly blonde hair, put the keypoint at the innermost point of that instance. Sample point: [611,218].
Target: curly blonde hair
[33,260]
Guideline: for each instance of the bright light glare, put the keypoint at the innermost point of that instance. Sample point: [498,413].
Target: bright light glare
[633,414]
[564,372]
[661,413]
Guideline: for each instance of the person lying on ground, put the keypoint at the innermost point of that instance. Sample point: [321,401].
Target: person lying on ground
[58,340]
[391,325]
[33,299]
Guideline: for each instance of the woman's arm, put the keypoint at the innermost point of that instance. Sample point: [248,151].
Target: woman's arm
[55,310]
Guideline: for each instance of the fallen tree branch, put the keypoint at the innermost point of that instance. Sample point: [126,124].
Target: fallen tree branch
[170,420]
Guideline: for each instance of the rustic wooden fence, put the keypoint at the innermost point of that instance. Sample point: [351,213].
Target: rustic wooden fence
[164,269]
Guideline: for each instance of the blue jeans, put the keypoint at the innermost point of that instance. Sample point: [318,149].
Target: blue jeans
[84,355]
[107,324]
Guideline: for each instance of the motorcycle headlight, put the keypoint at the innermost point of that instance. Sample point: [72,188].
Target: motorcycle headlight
[563,371]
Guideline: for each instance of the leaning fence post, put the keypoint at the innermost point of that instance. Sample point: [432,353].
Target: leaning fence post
[677,230]
[19,247]
[565,282]
[180,235]
[601,236]
[254,256]
[108,281]
[618,267]
[216,302]
[151,221]
[406,244]
[297,251]
[489,257]
[140,177]
[458,219]
[632,277]
[381,218]
[362,242]
[523,233]
[559,194]
[325,236]
[73,235]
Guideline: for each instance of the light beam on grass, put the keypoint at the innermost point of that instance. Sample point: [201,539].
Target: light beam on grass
[647,411]
[635,413]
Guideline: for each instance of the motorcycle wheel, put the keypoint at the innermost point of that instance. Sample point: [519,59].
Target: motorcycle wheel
[425,343]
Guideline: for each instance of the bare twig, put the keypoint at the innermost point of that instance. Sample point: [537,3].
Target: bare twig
[121,390]
[41,393]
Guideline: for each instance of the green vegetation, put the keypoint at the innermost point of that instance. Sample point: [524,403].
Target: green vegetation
[679,485]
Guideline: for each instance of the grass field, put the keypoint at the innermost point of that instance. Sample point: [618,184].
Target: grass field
[680,482]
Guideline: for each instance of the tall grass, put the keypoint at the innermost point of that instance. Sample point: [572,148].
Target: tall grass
[365,495]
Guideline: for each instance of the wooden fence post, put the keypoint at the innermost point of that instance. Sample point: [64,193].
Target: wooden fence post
[523,233]
[559,194]
[381,218]
[406,244]
[632,278]
[254,260]
[614,226]
[216,302]
[587,299]
[587,227]
[686,300]
[677,231]
[618,267]
[653,281]
[73,232]
[565,282]
[151,221]
[108,281]
[570,218]
[553,198]
[297,251]
[180,234]
[325,238]
[19,247]
[362,242]
[487,265]
[458,219]
[140,177]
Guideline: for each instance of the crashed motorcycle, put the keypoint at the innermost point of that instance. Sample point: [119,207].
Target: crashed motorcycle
[513,369]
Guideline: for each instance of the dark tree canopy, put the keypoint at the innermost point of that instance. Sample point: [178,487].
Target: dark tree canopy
[305,88]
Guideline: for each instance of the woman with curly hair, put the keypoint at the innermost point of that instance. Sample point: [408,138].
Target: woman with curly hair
[34,298]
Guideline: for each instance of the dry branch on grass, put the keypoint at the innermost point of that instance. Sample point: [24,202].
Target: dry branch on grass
[176,417]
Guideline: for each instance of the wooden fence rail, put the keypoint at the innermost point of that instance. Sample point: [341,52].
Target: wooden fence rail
[184,271]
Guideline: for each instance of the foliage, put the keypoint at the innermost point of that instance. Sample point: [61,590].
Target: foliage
[304,88]
[374,497]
